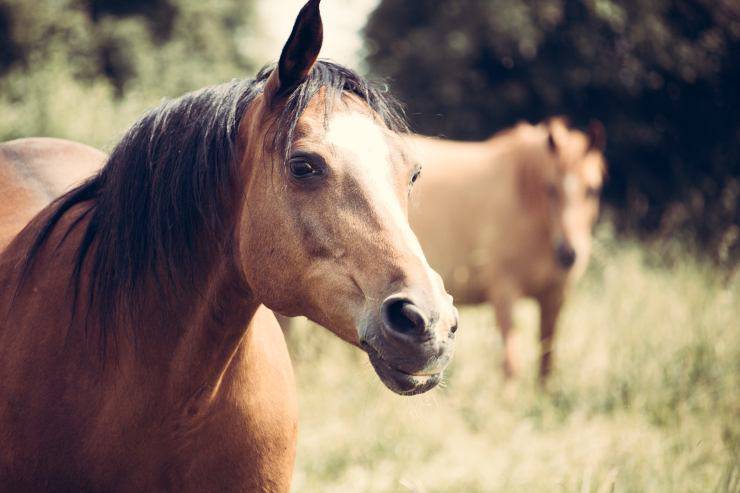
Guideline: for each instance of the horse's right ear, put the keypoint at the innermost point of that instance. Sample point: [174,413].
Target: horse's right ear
[299,53]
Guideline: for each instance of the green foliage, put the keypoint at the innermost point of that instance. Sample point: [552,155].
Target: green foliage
[644,397]
[662,75]
[85,69]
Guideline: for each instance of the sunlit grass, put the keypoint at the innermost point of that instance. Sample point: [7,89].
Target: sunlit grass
[646,396]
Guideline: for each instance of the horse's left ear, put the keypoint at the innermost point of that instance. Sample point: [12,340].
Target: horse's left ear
[596,135]
[299,53]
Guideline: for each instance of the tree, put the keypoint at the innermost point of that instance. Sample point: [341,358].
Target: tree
[123,41]
[86,69]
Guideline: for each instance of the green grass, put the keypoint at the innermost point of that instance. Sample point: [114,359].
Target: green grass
[646,396]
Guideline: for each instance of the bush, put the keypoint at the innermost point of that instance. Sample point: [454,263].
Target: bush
[84,70]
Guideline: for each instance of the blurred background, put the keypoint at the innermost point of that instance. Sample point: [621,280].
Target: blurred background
[646,395]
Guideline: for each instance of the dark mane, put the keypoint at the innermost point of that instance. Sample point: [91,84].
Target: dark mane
[167,193]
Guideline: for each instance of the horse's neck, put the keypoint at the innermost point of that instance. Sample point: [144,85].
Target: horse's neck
[211,334]
[219,388]
[188,348]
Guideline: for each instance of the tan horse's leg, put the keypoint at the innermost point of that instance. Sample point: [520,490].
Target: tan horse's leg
[502,305]
[550,302]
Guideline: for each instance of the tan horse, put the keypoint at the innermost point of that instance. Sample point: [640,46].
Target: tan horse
[511,217]
[135,353]
[35,171]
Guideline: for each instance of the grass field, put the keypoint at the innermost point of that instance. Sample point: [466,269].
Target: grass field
[646,396]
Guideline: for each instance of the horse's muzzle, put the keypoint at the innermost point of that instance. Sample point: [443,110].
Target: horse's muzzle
[409,346]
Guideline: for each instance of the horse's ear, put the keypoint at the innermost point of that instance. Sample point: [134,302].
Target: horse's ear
[596,135]
[299,53]
[551,144]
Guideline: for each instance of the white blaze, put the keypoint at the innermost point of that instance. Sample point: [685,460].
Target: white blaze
[364,143]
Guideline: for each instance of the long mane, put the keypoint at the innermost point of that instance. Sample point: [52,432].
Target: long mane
[167,193]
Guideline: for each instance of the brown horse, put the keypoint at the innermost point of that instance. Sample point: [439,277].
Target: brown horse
[135,353]
[511,217]
[35,171]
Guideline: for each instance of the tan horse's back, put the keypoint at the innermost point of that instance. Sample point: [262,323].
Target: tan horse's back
[35,171]
[469,214]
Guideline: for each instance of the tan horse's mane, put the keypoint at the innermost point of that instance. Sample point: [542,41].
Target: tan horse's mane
[166,199]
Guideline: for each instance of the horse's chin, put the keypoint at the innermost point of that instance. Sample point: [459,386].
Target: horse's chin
[397,380]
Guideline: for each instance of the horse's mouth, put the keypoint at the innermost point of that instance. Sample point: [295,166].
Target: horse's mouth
[398,380]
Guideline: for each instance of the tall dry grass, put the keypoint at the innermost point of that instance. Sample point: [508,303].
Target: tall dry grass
[646,396]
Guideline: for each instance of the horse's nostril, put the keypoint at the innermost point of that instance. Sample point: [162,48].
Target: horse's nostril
[403,316]
[456,320]
[566,255]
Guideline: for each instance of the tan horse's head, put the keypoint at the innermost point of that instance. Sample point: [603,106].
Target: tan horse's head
[324,230]
[574,192]
[568,184]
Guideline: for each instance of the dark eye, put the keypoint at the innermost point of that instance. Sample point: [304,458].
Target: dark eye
[593,192]
[301,168]
[552,191]
[415,176]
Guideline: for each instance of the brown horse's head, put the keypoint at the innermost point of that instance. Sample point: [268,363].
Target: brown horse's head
[324,230]
[573,182]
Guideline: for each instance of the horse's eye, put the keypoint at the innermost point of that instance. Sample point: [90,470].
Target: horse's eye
[593,192]
[301,168]
[415,176]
